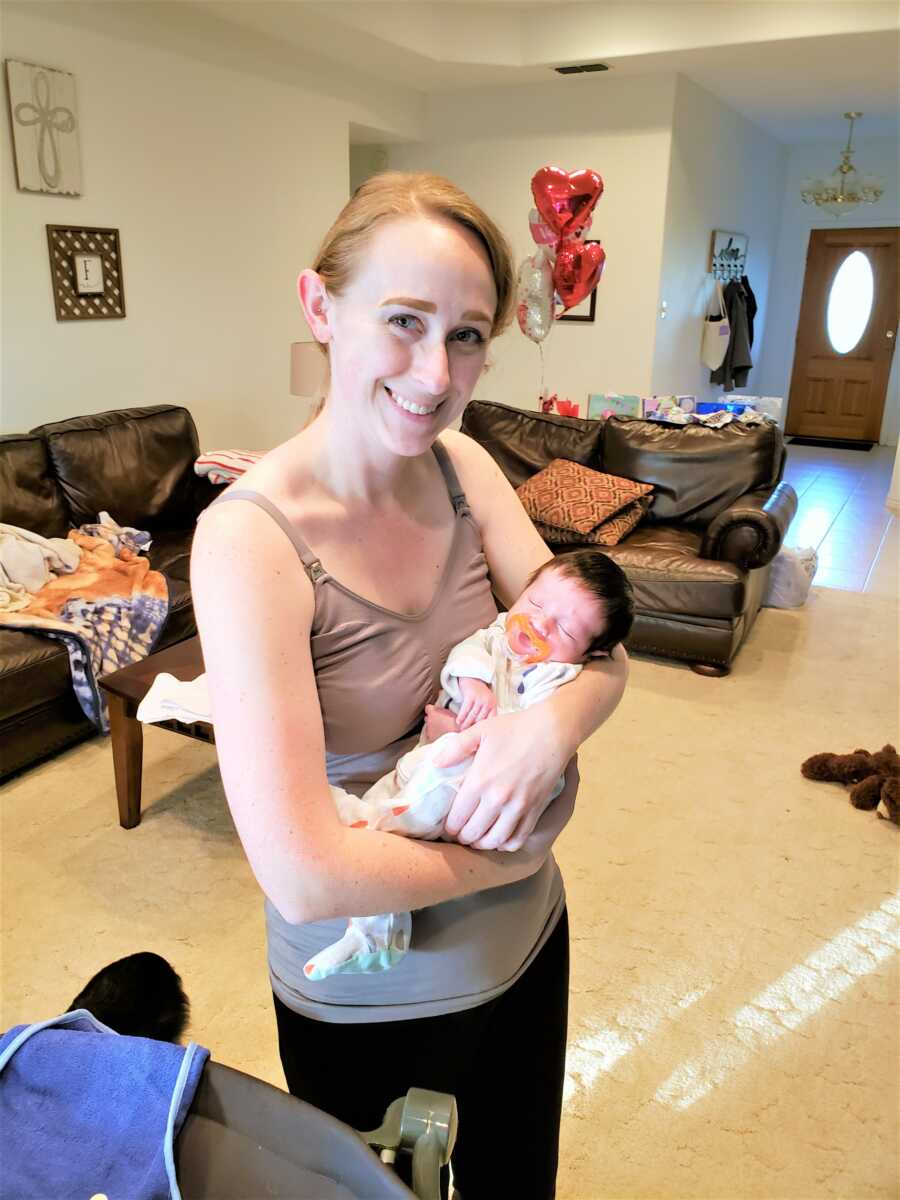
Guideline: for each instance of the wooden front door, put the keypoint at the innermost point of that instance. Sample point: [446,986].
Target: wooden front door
[841,394]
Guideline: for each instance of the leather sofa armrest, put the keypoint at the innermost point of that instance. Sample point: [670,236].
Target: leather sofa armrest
[750,531]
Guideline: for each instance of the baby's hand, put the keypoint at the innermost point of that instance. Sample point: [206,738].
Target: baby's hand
[478,703]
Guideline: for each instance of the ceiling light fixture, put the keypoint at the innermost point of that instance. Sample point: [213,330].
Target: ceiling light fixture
[844,188]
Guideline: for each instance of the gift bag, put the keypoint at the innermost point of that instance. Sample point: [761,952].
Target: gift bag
[716,333]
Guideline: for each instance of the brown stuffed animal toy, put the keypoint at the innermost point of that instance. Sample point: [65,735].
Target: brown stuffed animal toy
[876,777]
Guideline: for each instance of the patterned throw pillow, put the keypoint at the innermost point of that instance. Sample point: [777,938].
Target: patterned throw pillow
[569,498]
[609,533]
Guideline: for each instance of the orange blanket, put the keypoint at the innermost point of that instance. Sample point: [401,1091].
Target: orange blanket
[109,612]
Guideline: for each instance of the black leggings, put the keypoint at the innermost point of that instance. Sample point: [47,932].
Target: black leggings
[504,1061]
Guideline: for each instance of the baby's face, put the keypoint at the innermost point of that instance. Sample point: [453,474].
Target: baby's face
[563,613]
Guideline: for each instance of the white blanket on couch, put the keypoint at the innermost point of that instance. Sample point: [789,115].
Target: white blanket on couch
[28,561]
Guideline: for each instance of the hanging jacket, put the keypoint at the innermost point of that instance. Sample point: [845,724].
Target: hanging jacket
[751,305]
[737,362]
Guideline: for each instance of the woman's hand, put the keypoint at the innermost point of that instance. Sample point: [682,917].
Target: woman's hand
[507,788]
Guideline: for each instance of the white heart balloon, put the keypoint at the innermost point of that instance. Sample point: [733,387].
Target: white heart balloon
[534,295]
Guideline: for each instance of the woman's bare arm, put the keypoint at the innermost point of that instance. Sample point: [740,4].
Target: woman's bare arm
[254,606]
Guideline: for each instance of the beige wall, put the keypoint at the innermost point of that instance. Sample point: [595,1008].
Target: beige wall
[365,161]
[724,173]
[491,142]
[221,184]
[222,168]
[893,500]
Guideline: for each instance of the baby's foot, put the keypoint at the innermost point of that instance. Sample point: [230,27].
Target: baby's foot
[369,944]
[438,721]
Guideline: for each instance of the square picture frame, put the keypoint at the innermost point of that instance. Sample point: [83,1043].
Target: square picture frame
[76,296]
[586,311]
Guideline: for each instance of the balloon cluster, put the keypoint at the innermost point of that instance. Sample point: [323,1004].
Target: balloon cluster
[564,268]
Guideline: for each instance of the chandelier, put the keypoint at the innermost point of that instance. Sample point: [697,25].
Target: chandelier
[844,188]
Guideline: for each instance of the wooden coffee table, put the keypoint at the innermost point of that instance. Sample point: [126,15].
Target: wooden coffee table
[125,690]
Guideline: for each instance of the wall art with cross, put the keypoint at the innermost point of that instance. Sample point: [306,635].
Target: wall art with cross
[44,113]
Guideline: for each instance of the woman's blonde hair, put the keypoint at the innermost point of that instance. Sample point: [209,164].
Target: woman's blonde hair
[394,194]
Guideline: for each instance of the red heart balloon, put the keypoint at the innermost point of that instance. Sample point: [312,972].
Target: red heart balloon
[577,270]
[565,199]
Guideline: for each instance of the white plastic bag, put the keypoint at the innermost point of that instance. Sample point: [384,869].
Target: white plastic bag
[770,406]
[791,577]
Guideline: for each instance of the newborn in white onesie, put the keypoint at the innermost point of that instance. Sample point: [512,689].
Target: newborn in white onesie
[575,607]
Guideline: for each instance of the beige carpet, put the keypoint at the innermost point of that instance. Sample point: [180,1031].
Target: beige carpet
[734,1017]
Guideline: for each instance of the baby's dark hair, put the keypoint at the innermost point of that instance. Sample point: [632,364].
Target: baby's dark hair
[605,581]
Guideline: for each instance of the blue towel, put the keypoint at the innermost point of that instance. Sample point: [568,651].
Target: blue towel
[85,1110]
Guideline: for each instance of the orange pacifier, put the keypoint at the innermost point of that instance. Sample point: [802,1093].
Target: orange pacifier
[524,640]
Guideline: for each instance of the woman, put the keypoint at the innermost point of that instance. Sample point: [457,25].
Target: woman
[328,592]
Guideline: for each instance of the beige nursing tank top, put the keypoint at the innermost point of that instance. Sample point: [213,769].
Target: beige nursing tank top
[375,672]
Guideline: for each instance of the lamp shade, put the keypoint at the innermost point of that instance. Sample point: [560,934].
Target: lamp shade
[307,369]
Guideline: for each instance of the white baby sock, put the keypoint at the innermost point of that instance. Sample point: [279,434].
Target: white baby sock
[369,944]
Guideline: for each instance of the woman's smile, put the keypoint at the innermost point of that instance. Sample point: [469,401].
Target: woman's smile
[422,410]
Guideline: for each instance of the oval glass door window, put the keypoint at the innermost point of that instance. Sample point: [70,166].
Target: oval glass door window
[850,302]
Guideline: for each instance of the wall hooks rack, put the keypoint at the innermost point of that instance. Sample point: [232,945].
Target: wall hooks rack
[728,255]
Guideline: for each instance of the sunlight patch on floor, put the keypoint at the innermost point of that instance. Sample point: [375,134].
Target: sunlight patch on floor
[786,1004]
[597,1050]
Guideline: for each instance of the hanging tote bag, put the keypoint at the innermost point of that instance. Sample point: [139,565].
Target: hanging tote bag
[716,333]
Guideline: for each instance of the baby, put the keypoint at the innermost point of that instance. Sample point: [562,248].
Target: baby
[575,607]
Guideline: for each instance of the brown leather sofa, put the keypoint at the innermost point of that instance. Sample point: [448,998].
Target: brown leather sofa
[137,464]
[699,561]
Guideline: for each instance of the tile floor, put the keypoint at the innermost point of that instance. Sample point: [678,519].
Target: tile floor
[842,514]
